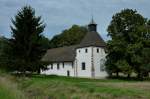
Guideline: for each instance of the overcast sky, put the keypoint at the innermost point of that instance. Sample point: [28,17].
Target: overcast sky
[62,14]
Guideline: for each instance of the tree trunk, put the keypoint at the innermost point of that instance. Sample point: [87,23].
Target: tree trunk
[23,73]
[140,77]
[128,76]
[117,74]
[39,71]
[110,74]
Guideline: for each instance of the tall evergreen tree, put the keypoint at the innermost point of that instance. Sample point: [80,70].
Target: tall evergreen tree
[27,31]
[125,47]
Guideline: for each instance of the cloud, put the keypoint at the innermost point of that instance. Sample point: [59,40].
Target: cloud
[61,14]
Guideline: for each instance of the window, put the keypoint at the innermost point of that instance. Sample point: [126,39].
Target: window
[86,50]
[72,64]
[83,66]
[102,64]
[97,50]
[57,66]
[63,65]
[52,66]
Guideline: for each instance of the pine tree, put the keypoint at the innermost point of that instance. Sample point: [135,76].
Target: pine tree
[27,31]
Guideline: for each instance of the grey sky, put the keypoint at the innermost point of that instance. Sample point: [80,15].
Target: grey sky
[62,14]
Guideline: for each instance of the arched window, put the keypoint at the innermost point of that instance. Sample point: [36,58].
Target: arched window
[102,64]
[51,65]
[63,65]
[83,66]
[57,66]
[86,50]
[97,50]
[79,51]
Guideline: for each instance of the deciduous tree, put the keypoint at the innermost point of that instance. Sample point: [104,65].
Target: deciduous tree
[68,37]
[126,44]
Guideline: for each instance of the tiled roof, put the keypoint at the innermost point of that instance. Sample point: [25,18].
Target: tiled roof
[92,38]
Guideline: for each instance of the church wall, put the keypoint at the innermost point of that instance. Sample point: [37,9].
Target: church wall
[75,68]
[61,71]
[99,60]
[83,57]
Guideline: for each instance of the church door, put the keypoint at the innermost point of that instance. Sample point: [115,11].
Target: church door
[68,73]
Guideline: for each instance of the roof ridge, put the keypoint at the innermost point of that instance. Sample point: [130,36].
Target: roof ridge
[63,47]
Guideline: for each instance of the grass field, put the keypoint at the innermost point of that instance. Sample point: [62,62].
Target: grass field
[9,89]
[54,87]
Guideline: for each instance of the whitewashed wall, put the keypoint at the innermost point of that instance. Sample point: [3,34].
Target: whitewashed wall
[61,71]
[75,68]
[99,59]
[82,56]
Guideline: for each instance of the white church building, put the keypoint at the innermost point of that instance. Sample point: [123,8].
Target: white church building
[83,60]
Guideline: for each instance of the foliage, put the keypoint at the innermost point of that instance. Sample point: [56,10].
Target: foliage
[127,30]
[4,53]
[124,66]
[70,36]
[45,42]
[26,45]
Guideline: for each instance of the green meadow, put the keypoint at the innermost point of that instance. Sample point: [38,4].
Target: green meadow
[56,87]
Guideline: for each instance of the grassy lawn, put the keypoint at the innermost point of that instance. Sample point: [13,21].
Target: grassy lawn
[54,87]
